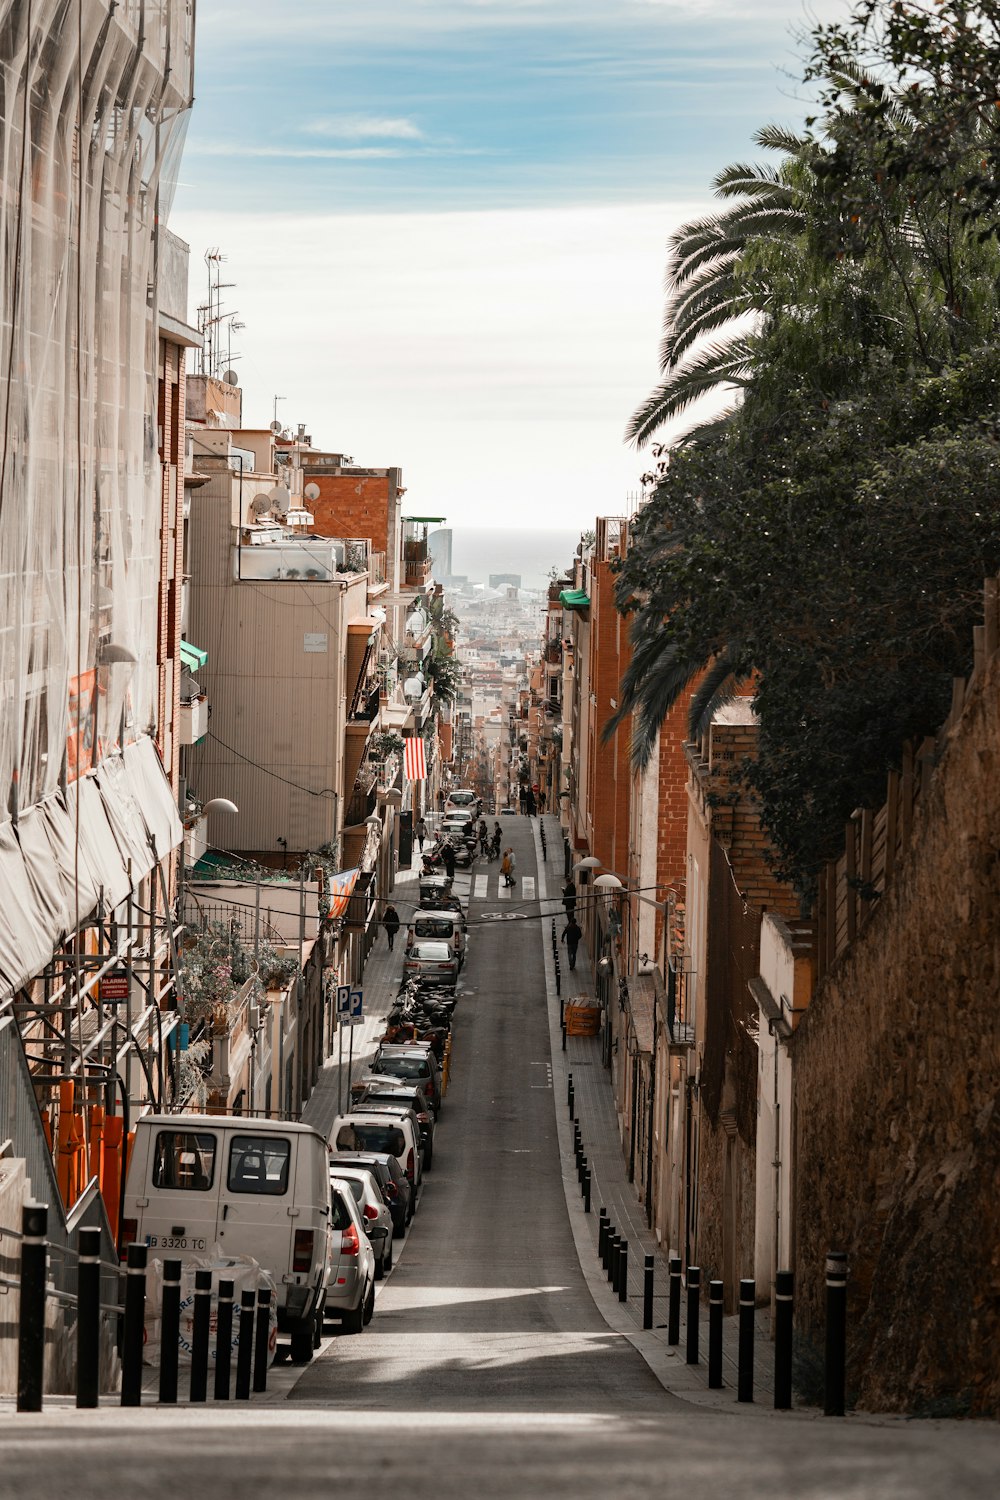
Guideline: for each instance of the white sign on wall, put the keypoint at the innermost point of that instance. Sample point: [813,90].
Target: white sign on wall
[315,641]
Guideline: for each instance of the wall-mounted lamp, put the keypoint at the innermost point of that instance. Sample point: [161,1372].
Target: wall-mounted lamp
[219,805]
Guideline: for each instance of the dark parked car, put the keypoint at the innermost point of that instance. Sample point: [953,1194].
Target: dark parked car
[392,1180]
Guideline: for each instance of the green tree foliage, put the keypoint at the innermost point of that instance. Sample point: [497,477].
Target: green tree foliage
[828,536]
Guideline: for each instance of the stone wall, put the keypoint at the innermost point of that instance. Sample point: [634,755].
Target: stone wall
[897,1082]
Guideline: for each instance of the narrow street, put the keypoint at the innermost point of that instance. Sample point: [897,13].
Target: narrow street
[488,1368]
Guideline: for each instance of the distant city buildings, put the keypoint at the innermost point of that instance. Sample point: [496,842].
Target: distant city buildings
[505,580]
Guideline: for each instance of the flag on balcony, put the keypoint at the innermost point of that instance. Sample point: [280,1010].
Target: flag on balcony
[414,761]
[341,887]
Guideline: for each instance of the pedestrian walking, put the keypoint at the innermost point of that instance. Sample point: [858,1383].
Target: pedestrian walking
[421,832]
[523,799]
[448,856]
[572,933]
[569,898]
[484,838]
[529,802]
[390,921]
[541,802]
[507,868]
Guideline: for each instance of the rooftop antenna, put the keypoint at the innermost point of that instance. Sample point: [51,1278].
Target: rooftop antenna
[276,425]
[210,314]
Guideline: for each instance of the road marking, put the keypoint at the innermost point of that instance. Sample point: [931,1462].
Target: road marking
[504,892]
[528,887]
[482,886]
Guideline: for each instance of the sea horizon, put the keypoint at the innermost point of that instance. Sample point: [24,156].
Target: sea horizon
[478,551]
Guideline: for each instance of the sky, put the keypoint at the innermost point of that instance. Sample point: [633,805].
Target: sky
[446,222]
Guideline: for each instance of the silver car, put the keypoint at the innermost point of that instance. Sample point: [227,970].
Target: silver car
[432,962]
[351,1295]
[374,1212]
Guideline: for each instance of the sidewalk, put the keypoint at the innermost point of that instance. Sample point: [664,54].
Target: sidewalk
[599,1127]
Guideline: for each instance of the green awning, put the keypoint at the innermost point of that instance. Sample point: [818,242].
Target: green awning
[574,599]
[193,657]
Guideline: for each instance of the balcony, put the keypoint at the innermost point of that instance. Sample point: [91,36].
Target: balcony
[366,710]
[361,903]
[361,805]
[193,720]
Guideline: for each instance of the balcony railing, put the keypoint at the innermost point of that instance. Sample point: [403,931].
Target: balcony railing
[360,805]
[368,708]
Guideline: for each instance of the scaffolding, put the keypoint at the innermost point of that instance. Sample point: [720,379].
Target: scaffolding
[94,99]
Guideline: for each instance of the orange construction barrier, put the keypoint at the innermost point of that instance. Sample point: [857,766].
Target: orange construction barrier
[96,1137]
[64,1154]
[77,1152]
[111,1168]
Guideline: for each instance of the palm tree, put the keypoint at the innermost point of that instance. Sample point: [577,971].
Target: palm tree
[706,294]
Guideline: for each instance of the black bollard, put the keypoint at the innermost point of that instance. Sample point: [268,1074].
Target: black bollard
[88,1318]
[224,1340]
[244,1352]
[586,1191]
[836,1333]
[582,1171]
[200,1335]
[31,1328]
[170,1331]
[674,1304]
[784,1291]
[569,1094]
[715,1309]
[693,1313]
[602,1231]
[261,1333]
[614,1251]
[647,1292]
[135,1318]
[577,1139]
[623,1273]
[748,1298]
[562,1017]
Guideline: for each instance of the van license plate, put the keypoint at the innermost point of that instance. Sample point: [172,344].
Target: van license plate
[172,1242]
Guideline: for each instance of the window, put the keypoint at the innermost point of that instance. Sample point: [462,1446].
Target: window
[185,1160]
[341,1213]
[259,1164]
[387,1138]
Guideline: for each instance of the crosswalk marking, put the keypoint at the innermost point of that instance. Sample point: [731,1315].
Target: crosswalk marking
[528,887]
[482,886]
[504,891]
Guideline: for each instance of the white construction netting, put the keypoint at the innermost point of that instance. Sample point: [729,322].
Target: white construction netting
[93,101]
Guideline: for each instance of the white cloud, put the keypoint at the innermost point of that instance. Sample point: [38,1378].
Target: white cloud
[292,153]
[357,128]
[495,356]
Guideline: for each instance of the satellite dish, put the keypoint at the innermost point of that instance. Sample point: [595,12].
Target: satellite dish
[259,505]
[280,498]
[312,491]
[231,378]
[275,427]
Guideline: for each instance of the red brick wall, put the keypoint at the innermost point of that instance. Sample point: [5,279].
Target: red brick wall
[608,775]
[352,505]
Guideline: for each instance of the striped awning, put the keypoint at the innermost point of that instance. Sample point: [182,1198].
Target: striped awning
[193,657]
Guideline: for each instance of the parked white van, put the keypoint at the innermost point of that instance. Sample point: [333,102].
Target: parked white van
[205,1184]
[446,925]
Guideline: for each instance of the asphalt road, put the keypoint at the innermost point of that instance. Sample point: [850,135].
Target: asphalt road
[487,1370]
